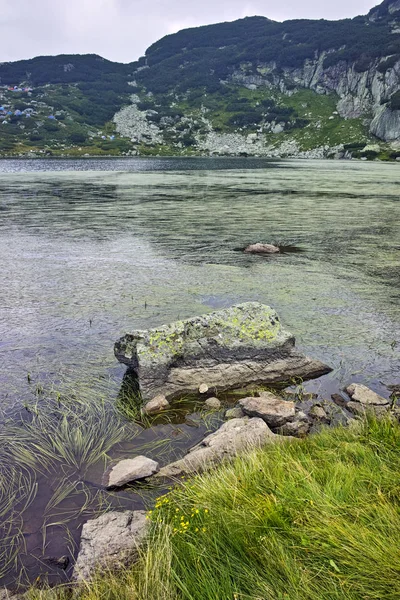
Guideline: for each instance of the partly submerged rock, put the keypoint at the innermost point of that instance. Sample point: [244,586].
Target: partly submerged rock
[273,410]
[360,393]
[238,347]
[212,403]
[129,470]
[110,540]
[262,249]
[232,438]
[157,405]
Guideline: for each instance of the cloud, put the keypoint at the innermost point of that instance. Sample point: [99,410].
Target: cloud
[123,29]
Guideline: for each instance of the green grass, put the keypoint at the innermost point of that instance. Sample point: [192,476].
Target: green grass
[317,519]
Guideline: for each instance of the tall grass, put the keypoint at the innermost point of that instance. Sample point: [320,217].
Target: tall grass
[316,519]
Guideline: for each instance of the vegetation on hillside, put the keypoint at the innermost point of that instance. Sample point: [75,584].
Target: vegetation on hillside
[302,520]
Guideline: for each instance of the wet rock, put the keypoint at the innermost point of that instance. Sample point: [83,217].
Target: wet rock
[61,563]
[112,539]
[360,393]
[213,403]
[233,437]
[262,249]
[339,400]
[234,413]
[272,409]
[129,470]
[235,348]
[318,413]
[299,427]
[395,389]
[157,405]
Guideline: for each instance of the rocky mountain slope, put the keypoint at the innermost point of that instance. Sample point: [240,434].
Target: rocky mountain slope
[250,87]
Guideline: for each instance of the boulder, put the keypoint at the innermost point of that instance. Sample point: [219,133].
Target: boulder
[212,403]
[129,470]
[360,393]
[235,348]
[234,413]
[232,438]
[262,249]
[157,405]
[110,540]
[317,412]
[270,408]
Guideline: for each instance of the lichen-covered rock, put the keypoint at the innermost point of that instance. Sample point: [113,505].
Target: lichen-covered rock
[273,410]
[232,438]
[238,347]
[110,540]
[260,248]
[361,393]
[129,470]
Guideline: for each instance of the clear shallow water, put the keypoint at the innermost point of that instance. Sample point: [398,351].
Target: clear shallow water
[90,249]
[85,256]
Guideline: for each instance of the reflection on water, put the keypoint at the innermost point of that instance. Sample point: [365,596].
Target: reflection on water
[115,245]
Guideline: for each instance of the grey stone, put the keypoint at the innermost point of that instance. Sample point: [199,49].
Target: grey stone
[129,470]
[273,410]
[262,249]
[318,413]
[110,540]
[360,410]
[203,388]
[234,413]
[213,403]
[394,389]
[360,393]
[233,437]
[158,404]
[235,348]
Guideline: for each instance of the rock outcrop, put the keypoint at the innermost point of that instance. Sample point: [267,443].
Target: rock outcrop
[235,348]
[111,539]
[233,437]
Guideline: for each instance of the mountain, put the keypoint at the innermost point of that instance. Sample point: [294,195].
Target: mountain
[252,86]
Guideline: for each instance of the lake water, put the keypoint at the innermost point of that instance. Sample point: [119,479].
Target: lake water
[92,248]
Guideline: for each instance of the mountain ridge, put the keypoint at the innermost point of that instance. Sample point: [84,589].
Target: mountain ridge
[251,86]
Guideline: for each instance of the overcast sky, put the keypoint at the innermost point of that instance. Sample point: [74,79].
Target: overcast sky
[121,30]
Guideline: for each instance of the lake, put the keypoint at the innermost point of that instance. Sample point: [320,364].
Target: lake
[92,248]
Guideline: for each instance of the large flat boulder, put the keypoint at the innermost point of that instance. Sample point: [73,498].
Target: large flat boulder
[363,395]
[129,470]
[232,437]
[235,348]
[110,540]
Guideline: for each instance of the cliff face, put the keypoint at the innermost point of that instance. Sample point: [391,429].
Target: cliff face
[360,94]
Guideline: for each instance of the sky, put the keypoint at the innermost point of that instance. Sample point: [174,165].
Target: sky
[121,30]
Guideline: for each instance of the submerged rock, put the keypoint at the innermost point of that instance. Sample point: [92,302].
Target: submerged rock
[360,393]
[158,404]
[262,249]
[272,409]
[129,470]
[232,438]
[110,540]
[238,347]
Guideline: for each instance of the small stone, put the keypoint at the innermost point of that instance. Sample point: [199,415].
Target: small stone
[260,248]
[234,413]
[61,563]
[297,428]
[318,412]
[360,393]
[129,470]
[158,404]
[339,400]
[395,389]
[203,388]
[213,403]
[272,409]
